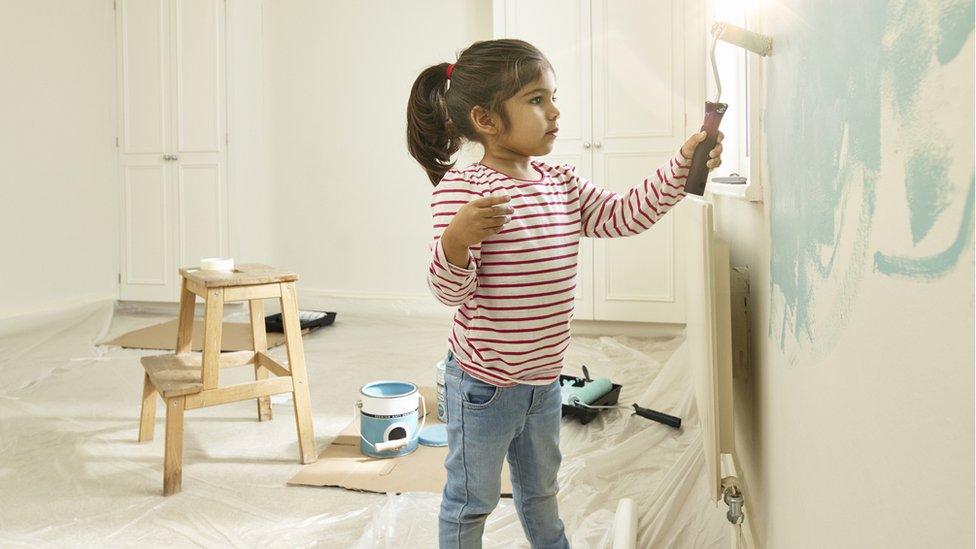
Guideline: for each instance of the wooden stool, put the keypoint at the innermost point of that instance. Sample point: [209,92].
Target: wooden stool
[186,380]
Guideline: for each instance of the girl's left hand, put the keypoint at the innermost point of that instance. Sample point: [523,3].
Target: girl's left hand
[714,156]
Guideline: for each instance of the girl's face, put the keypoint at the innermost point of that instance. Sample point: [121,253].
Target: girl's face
[532,118]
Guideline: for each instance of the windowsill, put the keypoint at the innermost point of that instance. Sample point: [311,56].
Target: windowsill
[750,191]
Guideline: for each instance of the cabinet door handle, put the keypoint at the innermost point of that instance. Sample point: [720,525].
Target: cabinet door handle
[166,157]
[586,144]
[598,144]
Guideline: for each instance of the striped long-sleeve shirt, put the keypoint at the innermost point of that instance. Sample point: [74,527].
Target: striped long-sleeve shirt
[515,298]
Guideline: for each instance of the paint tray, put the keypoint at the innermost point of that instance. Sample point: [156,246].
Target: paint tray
[586,415]
[308,320]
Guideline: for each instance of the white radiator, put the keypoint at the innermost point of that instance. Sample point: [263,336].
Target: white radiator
[709,340]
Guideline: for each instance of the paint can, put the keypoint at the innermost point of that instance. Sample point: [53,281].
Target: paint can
[441,388]
[388,415]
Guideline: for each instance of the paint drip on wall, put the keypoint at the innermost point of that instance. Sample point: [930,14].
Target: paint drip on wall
[870,110]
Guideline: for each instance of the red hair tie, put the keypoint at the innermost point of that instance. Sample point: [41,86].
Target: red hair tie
[450,70]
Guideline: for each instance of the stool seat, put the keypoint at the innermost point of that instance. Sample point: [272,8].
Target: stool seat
[179,374]
[247,274]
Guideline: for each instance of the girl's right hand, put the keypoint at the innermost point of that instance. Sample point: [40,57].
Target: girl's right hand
[479,219]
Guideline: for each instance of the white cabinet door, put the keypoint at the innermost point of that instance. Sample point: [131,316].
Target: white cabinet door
[172,141]
[148,243]
[621,76]
[561,30]
[199,124]
[638,123]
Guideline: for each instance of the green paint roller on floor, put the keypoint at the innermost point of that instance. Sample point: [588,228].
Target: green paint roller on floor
[591,391]
[588,393]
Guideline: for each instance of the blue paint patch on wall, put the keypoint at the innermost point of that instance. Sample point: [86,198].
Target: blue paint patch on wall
[935,265]
[955,26]
[823,121]
[910,54]
[928,191]
[823,115]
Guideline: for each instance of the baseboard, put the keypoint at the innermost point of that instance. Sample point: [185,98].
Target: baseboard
[316,299]
[423,305]
[627,329]
[172,308]
[413,305]
[426,305]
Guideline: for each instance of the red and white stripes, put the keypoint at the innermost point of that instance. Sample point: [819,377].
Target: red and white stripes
[515,298]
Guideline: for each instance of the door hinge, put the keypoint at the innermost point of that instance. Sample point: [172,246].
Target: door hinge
[114,5]
[116,141]
[120,278]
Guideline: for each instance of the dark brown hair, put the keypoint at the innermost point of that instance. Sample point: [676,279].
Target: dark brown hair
[486,74]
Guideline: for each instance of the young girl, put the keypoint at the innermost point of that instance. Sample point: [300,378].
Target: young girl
[506,236]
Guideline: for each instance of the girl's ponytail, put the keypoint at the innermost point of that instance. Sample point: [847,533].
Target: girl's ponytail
[431,137]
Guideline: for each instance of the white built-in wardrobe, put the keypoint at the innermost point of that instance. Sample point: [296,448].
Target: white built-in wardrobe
[172,141]
[629,93]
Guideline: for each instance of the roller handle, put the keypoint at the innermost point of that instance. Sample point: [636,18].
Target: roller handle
[698,175]
[659,417]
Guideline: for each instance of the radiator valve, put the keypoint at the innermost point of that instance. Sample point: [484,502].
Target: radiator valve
[733,498]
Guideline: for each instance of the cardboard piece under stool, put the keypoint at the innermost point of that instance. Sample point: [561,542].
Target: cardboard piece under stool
[236,337]
[344,466]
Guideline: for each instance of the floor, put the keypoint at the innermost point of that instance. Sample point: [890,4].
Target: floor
[72,473]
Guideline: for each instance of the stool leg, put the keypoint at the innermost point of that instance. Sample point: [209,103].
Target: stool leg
[173,460]
[147,420]
[296,363]
[260,339]
[184,330]
[213,324]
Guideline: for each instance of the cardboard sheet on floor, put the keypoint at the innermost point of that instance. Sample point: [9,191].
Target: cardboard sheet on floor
[344,466]
[236,337]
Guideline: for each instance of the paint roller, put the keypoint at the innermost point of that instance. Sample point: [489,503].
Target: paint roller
[754,42]
[591,391]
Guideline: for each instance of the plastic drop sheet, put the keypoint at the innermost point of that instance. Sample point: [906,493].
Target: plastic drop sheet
[73,475]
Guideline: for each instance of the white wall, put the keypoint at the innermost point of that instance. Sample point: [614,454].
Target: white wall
[337,79]
[251,200]
[854,427]
[60,193]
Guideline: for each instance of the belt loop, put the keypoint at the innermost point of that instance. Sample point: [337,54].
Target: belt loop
[450,355]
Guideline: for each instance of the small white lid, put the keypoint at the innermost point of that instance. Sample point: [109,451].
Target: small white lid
[217,264]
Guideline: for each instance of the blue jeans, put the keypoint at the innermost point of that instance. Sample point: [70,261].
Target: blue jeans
[484,423]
